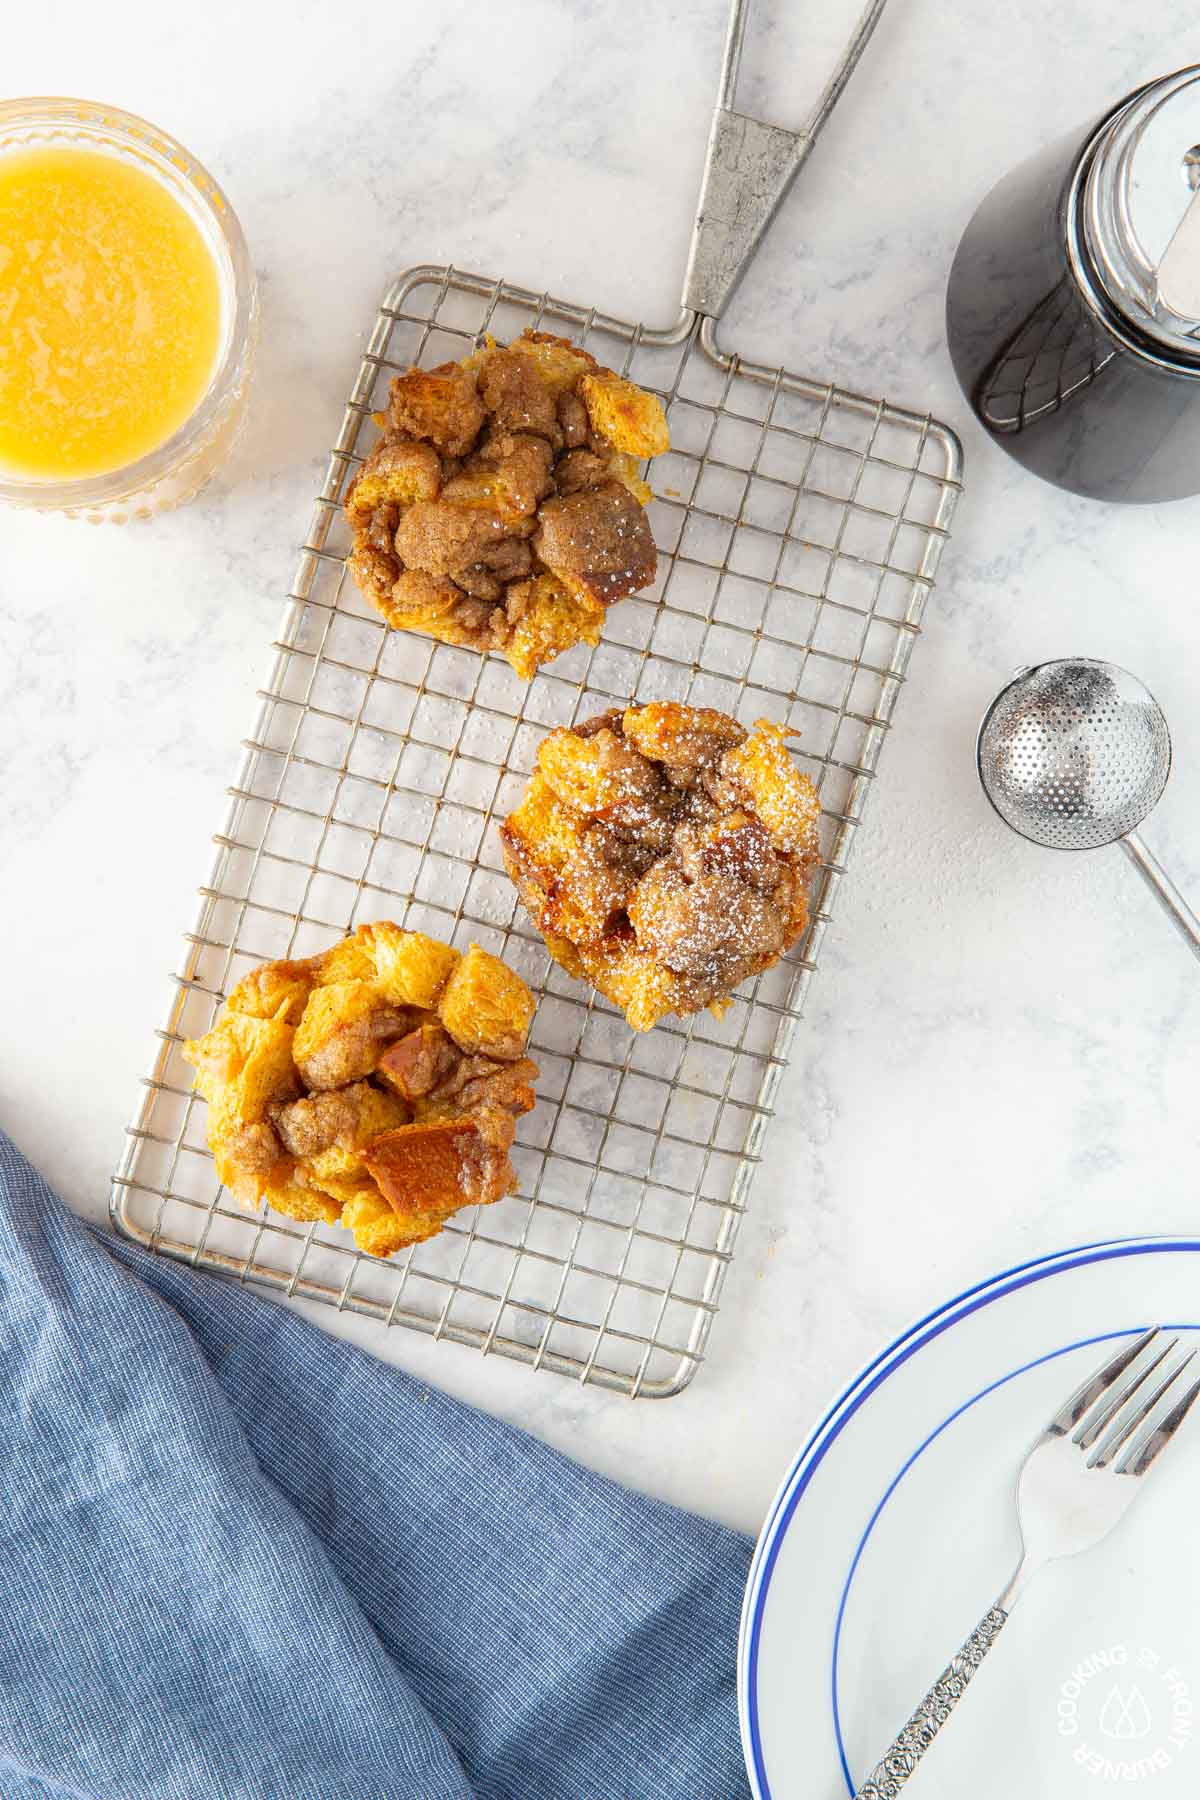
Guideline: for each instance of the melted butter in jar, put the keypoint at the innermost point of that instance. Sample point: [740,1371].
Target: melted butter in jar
[110,313]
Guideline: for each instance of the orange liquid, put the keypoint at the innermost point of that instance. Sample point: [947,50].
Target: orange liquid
[110,314]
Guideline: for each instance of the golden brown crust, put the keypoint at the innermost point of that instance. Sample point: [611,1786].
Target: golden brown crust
[559,362]
[438,406]
[376,574]
[277,990]
[546,618]
[415,1063]
[624,415]
[503,508]
[440,536]
[388,1037]
[416,601]
[512,390]
[399,471]
[691,737]
[596,540]
[426,1172]
[665,854]
[341,1035]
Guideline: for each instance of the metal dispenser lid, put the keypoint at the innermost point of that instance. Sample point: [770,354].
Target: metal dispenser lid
[1140,213]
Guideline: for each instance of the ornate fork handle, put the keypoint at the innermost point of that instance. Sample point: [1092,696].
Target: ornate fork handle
[890,1775]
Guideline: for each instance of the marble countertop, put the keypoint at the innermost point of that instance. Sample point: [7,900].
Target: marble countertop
[998,1053]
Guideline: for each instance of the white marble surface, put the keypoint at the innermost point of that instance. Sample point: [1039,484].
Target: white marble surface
[998,1055]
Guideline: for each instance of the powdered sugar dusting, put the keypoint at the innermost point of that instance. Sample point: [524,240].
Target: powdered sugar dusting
[690,845]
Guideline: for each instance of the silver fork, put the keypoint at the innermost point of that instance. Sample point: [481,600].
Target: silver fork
[1075,1483]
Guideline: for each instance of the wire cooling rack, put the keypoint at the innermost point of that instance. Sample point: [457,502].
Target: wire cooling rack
[799,529]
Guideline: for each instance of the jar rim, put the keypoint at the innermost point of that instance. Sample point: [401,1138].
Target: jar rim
[112,130]
[1105,227]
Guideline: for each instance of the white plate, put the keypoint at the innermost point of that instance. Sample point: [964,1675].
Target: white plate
[895,1529]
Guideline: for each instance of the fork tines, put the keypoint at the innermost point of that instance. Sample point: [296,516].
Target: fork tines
[1123,1413]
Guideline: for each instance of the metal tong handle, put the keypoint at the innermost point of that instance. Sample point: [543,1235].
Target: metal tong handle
[749,168]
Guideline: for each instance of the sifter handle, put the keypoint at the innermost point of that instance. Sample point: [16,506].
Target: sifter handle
[749,168]
[1163,888]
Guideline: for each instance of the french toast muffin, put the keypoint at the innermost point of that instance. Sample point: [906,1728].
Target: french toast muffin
[665,854]
[502,507]
[376,1086]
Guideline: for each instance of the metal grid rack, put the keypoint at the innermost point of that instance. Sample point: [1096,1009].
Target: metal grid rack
[799,530]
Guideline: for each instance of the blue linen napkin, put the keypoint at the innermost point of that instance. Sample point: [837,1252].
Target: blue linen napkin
[239,1558]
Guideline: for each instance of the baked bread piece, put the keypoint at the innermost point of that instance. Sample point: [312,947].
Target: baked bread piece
[502,507]
[666,854]
[378,1084]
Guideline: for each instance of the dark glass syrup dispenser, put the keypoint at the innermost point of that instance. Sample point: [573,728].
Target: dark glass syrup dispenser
[1073,309]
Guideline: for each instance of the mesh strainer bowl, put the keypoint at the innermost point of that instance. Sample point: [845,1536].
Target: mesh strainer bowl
[1074,755]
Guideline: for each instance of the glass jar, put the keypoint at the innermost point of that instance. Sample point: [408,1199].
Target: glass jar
[179,467]
[1073,307]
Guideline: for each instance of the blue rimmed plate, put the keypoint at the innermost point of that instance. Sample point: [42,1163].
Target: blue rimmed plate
[895,1529]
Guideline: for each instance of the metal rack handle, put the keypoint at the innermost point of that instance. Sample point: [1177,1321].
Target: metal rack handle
[749,168]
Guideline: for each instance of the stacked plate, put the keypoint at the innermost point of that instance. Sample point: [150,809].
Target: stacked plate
[895,1529]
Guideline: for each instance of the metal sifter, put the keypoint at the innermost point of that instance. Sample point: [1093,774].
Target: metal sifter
[1074,755]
